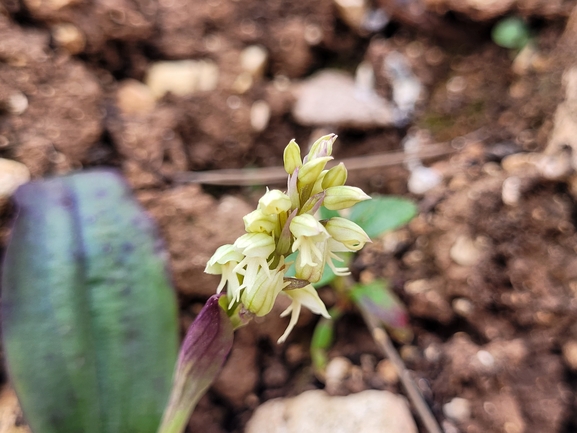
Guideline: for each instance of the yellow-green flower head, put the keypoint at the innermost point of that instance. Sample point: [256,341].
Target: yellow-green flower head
[347,233]
[274,202]
[343,197]
[259,297]
[292,157]
[259,222]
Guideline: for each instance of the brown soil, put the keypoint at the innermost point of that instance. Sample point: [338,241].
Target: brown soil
[517,301]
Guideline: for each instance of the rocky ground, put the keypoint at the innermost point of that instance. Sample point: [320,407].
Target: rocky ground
[171,91]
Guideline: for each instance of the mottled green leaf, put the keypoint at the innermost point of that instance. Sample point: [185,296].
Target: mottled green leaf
[89,317]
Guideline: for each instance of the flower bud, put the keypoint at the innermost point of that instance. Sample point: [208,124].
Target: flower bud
[336,176]
[202,355]
[343,197]
[318,186]
[274,202]
[311,170]
[321,148]
[292,157]
[347,232]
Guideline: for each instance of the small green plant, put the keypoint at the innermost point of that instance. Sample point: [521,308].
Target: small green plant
[511,32]
[89,316]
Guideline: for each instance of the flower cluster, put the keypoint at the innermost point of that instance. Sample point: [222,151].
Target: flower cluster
[253,268]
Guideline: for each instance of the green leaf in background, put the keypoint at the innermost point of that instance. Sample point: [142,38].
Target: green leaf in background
[378,300]
[322,341]
[511,32]
[382,213]
[327,213]
[89,316]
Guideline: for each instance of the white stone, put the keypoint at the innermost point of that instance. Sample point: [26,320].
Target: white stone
[317,412]
[331,97]
[253,59]
[406,86]
[462,306]
[182,77]
[486,359]
[465,251]
[336,372]
[17,103]
[422,179]
[12,175]
[69,37]
[511,191]
[458,410]
[259,115]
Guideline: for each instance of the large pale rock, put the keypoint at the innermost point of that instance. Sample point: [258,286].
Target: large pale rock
[317,412]
[331,98]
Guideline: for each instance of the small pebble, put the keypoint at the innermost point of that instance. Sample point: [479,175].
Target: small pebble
[570,354]
[432,353]
[465,252]
[485,358]
[182,77]
[253,59]
[337,370]
[17,103]
[12,175]
[511,191]
[458,410]
[259,115]
[422,179]
[134,97]
[69,37]
[387,371]
[462,306]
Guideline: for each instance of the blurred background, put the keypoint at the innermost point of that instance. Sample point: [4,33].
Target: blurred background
[465,106]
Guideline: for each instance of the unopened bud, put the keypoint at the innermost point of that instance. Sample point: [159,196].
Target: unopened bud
[347,232]
[343,197]
[292,157]
[322,147]
[310,171]
[274,202]
[336,176]
[318,186]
